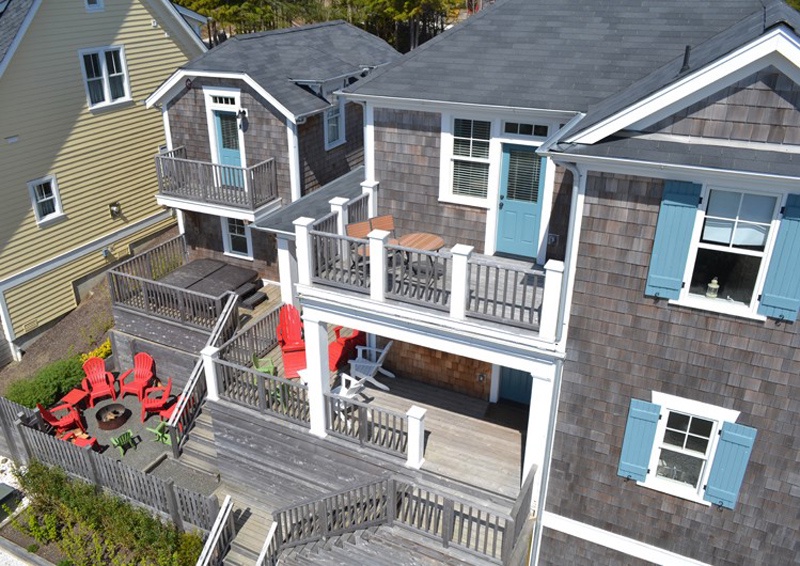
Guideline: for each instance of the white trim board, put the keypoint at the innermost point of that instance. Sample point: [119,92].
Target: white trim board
[777,48]
[616,542]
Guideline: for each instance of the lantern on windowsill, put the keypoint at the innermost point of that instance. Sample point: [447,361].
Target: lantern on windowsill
[713,289]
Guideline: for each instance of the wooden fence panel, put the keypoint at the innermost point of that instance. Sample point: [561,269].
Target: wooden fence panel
[10,440]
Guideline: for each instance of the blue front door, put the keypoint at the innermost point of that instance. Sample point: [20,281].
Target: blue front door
[228,149]
[522,177]
[516,385]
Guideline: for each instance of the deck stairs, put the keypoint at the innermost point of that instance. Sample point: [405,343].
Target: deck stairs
[200,452]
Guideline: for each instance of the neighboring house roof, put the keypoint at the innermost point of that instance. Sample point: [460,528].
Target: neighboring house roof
[190,14]
[18,14]
[278,60]
[566,55]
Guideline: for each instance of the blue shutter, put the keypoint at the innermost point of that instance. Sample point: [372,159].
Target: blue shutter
[640,433]
[730,463]
[673,237]
[781,295]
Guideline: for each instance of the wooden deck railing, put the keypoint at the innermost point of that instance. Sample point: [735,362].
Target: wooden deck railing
[240,187]
[227,323]
[358,209]
[275,396]
[220,537]
[157,262]
[181,505]
[327,224]
[505,293]
[258,339]
[340,261]
[420,277]
[165,301]
[373,426]
[187,408]
[473,528]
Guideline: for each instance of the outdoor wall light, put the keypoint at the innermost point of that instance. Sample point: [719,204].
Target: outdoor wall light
[115,208]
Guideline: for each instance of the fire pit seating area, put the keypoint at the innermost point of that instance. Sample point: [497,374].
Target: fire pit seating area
[92,414]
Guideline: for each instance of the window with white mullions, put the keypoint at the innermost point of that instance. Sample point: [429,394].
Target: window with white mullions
[732,243]
[236,237]
[471,157]
[684,448]
[45,198]
[106,75]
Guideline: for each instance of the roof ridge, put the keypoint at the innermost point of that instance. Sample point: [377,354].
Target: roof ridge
[285,31]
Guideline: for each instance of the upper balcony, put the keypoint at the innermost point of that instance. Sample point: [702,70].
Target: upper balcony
[455,290]
[185,182]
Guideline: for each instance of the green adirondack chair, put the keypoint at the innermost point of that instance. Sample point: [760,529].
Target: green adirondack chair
[123,441]
[161,433]
[264,365]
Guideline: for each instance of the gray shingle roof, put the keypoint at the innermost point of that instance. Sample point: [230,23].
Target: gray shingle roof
[554,54]
[275,59]
[11,21]
[697,155]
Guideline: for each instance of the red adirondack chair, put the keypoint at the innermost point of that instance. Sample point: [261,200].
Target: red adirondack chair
[98,382]
[142,376]
[156,398]
[343,348]
[290,339]
[71,420]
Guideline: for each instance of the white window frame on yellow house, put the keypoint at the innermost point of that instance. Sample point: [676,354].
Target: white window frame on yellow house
[44,218]
[105,76]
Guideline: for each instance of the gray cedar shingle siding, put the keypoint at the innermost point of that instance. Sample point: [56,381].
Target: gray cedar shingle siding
[624,345]
[321,166]
[407,150]
[760,108]
[559,549]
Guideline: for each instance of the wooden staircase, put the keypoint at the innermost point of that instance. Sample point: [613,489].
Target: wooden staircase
[200,452]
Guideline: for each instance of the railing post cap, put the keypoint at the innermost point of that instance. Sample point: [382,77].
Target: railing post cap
[554,265]
[304,221]
[209,351]
[338,201]
[369,184]
[462,249]
[382,235]
[416,412]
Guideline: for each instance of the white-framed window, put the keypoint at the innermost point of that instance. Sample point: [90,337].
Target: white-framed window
[525,129]
[334,123]
[105,75]
[236,238]
[686,448]
[470,162]
[46,199]
[94,5]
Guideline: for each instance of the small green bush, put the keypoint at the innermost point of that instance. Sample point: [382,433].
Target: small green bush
[48,385]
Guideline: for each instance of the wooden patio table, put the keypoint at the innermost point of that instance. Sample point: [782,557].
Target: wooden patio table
[422,241]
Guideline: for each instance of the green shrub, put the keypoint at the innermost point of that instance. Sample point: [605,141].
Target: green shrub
[48,385]
[92,528]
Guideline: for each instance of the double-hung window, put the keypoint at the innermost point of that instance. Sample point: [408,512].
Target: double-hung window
[46,199]
[470,160]
[334,123]
[105,75]
[686,448]
[727,250]
[236,237]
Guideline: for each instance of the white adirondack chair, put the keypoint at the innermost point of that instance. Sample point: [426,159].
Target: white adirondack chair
[369,362]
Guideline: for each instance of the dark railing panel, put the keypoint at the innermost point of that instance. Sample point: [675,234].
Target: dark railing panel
[370,425]
[258,339]
[358,209]
[506,293]
[327,224]
[419,277]
[341,261]
[157,262]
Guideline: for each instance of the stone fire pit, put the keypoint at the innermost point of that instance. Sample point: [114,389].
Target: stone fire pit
[113,416]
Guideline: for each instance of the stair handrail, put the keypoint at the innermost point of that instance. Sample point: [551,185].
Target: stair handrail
[220,536]
[270,551]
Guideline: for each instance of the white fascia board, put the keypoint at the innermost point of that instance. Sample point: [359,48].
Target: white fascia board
[89,247]
[470,337]
[209,209]
[20,34]
[178,21]
[669,171]
[395,103]
[703,82]
[614,541]
[174,84]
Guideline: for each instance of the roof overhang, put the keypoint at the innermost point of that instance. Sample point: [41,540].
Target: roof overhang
[20,34]
[779,47]
[175,83]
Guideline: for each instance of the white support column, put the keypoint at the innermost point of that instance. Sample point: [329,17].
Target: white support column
[377,264]
[494,387]
[302,241]
[460,281]
[371,188]
[181,221]
[338,206]
[551,300]
[316,373]
[540,423]
[287,269]
[369,142]
[209,354]
[416,437]
[294,161]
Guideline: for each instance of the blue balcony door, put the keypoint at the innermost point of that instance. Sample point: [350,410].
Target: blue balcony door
[516,385]
[228,149]
[519,214]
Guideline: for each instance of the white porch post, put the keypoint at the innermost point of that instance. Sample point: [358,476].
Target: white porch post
[540,422]
[316,372]
[460,281]
[551,299]
[416,437]
[287,269]
[209,354]
[371,188]
[302,241]
[377,264]
[338,206]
